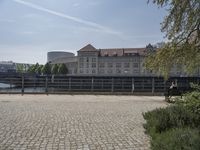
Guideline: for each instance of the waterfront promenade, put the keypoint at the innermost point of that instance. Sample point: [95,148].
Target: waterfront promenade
[74,122]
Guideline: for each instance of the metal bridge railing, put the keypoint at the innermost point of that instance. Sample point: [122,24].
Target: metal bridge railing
[26,83]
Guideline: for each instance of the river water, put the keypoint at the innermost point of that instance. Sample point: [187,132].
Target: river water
[2,85]
[13,89]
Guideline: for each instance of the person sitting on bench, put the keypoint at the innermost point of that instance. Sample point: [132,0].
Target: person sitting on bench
[173,85]
[173,88]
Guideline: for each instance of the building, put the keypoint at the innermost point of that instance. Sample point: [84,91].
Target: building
[7,66]
[10,66]
[59,57]
[111,62]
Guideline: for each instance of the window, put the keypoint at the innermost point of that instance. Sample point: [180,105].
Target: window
[135,71]
[93,65]
[81,59]
[110,71]
[93,59]
[126,65]
[126,71]
[87,65]
[81,65]
[75,71]
[69,71]
[93,71]
[118,71]
[101,65]
[87,59]
[101,71]
[81,71]
[135,65]
[135,59]
[118,65]
[110,65]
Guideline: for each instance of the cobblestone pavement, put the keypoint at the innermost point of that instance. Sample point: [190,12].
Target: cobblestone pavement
[79,122]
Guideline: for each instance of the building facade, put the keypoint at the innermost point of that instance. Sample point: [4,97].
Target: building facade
[112,62]
[9,66]
[59,57]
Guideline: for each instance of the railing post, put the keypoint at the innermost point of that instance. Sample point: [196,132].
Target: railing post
[165,85]
[22,83]
[112,88]
[70,80]
[10,83]
[92,86]
[133,86]
[153,85]
[46,84]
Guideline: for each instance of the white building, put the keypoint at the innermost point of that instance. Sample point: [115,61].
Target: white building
[111,62]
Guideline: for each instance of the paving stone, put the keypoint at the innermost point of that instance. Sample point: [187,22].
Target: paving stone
[74,122]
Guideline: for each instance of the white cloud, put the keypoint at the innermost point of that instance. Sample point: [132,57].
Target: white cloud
[68,17]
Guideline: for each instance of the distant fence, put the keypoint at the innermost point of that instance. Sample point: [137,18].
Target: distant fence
[26,83]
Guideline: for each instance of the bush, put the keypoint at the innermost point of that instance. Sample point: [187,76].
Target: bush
[177,139]
[163,119]
[171,127]
[191,102]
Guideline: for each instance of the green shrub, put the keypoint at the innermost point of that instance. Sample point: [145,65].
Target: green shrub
[171,127]
[177,139]
[191,102]
[163,119]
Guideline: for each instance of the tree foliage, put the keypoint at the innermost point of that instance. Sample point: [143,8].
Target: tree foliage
[31,69]
[20,68]
[46,69]
[54,69]
[182,28]
[39,69]
[36,68]
[62,69]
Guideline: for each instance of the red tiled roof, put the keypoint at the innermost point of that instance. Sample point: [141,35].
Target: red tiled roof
[122,51]
[139,51]
[111,52]
[114,51]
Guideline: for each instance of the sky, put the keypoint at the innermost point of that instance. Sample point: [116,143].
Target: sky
[31,28]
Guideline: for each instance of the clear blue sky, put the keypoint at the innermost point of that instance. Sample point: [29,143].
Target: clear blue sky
[31,28]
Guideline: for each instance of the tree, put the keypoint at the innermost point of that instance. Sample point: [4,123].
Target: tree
[20,68]
[39,69]
[62,69]
[182,28]
[46,69]
[31,69]
[34,69]
[54,69]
